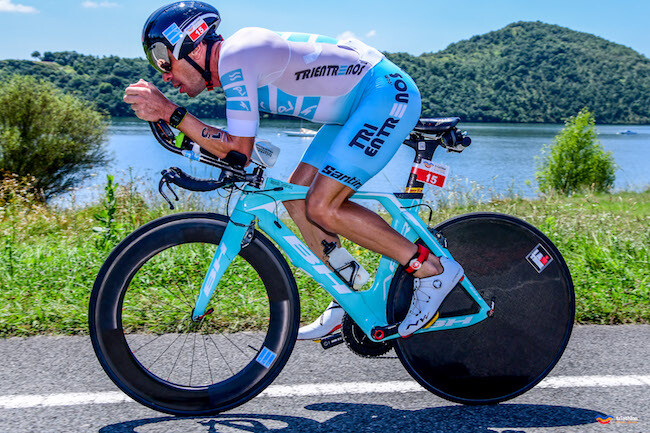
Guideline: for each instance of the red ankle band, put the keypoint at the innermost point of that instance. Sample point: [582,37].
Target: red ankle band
[416,261]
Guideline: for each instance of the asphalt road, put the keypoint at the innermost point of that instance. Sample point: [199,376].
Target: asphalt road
[604,372]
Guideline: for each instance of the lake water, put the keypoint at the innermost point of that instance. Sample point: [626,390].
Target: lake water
[500,160]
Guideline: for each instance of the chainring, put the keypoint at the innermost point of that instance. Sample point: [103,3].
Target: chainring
[359,343]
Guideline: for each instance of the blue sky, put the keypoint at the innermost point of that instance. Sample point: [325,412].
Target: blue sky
[105,27]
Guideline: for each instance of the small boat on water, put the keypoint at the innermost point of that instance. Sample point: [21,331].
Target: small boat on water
[302,132]
[627,132]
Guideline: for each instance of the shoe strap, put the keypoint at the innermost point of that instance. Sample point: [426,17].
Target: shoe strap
[333,305]
[416,261]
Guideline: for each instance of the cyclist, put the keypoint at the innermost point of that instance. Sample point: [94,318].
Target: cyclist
[366,104]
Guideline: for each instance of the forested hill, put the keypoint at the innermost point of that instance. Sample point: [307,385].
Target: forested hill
[533,72]
[525,72]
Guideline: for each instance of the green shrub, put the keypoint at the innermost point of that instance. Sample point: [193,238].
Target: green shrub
[576,160]
[49,135]
[108,228]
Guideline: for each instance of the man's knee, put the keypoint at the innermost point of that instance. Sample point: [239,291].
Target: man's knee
[319,211]
[325,198]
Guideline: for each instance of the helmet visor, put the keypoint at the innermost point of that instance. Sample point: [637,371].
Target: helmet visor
[158,56]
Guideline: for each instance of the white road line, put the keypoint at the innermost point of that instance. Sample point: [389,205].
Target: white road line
[67,399]
[593,381]
[312,389]
[340,388]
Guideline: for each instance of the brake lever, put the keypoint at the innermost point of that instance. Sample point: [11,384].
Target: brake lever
[164,180]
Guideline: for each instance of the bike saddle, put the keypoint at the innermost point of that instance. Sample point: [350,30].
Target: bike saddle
[436,125]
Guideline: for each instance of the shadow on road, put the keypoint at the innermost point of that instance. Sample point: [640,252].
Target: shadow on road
[505,418]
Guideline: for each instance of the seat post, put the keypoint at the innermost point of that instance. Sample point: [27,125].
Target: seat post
[424,149]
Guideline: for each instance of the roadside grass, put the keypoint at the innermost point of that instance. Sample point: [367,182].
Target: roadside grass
[605,240]
[49,258]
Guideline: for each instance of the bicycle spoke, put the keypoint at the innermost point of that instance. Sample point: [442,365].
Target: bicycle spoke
[163,352]
[187,298]
[207,358]
[192,362]
[221,354]
[167,303]
[145,344]
[178,356]
[174,307]
[236,347]
[183,300]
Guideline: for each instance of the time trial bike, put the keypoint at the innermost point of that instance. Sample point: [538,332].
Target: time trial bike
[196,313]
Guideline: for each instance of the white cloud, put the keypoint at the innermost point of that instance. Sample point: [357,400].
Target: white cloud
[371,33]
[8,6]
[347,35]
[94,5]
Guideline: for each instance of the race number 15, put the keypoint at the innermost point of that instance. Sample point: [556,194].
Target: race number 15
[431,172]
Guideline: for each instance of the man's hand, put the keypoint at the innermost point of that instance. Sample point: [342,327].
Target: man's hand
[148,102]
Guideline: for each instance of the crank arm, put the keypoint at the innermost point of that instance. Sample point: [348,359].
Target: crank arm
[331,340]
[380,333]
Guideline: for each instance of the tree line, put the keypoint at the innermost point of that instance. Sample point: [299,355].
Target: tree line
[525,72]
[533,72]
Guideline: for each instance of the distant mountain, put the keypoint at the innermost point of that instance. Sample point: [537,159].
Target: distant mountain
[533,72]
[525,72]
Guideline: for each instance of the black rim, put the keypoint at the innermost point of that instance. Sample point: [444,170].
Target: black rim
[220,369]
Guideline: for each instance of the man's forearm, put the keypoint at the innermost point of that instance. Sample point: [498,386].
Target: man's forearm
[214,140]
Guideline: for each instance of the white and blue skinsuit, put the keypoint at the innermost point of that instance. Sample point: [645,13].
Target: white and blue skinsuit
[366,103]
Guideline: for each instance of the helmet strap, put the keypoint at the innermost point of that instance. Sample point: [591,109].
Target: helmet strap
[205,73]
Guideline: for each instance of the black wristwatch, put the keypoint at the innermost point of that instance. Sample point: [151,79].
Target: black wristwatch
[177,117]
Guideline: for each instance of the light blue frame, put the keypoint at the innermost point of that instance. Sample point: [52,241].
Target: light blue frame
[367,308]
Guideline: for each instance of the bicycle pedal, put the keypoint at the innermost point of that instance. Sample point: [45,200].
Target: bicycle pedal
[331,340]
[381,332]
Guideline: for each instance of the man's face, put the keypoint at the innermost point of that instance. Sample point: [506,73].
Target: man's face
[184,77]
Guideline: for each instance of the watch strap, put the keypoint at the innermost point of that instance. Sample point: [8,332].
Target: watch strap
[177,116]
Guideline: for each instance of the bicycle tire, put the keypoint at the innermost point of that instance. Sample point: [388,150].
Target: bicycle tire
[504,355]
[133,286]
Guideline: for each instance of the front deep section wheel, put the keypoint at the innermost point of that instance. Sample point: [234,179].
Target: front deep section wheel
[517,269]
[141,325]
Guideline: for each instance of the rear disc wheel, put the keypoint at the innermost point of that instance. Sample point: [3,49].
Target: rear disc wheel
[514,265]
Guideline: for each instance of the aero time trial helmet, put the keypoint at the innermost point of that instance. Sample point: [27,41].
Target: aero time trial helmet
[179,27]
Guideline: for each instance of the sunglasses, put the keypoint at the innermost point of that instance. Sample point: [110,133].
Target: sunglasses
[158,55]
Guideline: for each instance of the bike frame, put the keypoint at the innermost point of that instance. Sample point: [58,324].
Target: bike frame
[367,308]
